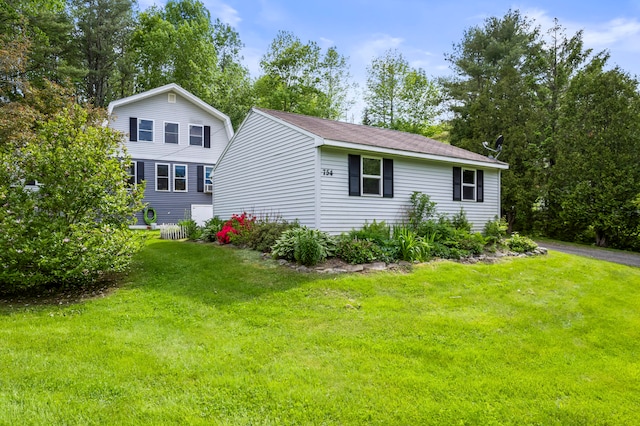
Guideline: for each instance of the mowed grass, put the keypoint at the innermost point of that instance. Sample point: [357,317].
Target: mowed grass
[200,334]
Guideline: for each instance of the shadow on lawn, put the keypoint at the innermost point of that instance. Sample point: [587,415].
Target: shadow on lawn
[210,273]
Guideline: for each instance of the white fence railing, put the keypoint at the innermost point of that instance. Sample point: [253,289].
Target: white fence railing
[171,231]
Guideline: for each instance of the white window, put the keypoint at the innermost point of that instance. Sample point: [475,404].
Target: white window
[131,172]
[180,177]
[371,176]
[145,130]
[171,132]
[196,134]
[208,179]
[162,177]
[468,185]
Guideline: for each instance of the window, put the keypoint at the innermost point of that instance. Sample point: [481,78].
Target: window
[180,178]
[162,177]
[171,132]
[371,176]
[145,130]
[196,134]
[207,175]
[468,185]
[131,171]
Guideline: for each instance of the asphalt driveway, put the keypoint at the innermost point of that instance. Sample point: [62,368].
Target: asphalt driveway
[616,256]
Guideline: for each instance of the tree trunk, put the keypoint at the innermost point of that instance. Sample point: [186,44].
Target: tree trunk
[601,239]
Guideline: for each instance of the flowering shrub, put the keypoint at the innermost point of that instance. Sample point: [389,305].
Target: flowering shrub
[234,226]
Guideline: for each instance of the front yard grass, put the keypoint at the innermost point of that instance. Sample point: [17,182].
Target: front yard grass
[201,334]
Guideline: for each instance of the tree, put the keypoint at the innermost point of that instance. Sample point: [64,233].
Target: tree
[103,30]
[299,78]
[399,96]
[498,70]
[596,178]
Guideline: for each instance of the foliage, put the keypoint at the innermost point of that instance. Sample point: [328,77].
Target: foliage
[234,226]
[263,233]
[378,232]
[304,245]
[399,97]
[520,243]
[421,209]
[495,231]
[211,228]
[192,230]
[411,247]
[72,228]
[460,221]
[356,251]
[297,77]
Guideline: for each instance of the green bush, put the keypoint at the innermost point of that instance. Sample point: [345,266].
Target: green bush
[378,232]
[211,228]
[421,209]
[263,234]
[411,247]
[359,251]
[193,231]
[304,245]
[459,221]
[495,231]
[521,244]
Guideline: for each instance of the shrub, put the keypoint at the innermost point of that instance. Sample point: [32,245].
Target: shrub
[495,231]
[359,251]
[459,221]
[304,245]
[192,230]
[234,226]
[521,244]
[263,233]
[421,209]
[411,247]
[378,232]
[211,228]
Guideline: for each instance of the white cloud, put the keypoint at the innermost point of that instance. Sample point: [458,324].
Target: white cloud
[377,46]
[617,31]
[225,13]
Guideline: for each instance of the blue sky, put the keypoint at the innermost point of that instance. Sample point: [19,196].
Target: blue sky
[423,31]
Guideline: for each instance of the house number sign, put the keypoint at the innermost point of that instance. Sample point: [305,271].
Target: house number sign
[327,172]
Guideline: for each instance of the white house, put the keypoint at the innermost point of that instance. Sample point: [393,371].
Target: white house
[174,139]
[334,176]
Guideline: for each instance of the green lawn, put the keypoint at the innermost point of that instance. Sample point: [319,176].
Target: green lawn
[200,334]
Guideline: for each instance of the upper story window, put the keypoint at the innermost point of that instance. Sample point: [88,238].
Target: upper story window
[162,177]
[145,130]
[171,132]
[208,170]
[196,134]
[180,177]
[371,176]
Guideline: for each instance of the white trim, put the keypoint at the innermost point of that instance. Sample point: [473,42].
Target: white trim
[468,185]
[318,188]
[204,170]
[186,178]
[388,151]
[190,125]
[187,95]
[164,132]
[168,177]
[363,176]
[153,130]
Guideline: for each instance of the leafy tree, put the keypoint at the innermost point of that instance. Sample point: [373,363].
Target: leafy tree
[495,91]
[596,177]
[399,96]
[299,78]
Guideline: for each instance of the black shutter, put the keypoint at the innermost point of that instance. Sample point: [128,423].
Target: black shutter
[207,136]
[139,171]
[200,178]
[480,186]
[387,178]
[457,184]
[133,129]
[354,175]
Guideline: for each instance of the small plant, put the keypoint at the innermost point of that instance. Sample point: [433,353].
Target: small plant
[211,228]
[495,231]
[356,251]
[263,233]
[421,209]
[521,244]
[378,232]
[459,221]
[304,245]
[191,228]
[411,247]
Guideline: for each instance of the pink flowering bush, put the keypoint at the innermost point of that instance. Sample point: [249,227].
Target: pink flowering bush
[233,226]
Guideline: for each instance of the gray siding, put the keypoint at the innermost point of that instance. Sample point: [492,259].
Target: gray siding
[341,212]
[269,168]
[172,207]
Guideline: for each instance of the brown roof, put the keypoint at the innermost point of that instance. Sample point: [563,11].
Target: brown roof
[376,136]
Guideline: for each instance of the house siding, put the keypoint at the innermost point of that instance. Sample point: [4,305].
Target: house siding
[341,212]
[171,206]
[183,112]
[269,168]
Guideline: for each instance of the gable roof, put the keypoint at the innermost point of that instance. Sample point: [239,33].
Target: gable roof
[341,134]
[172,87]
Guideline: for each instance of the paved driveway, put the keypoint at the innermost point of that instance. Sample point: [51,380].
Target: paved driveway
[622,257]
